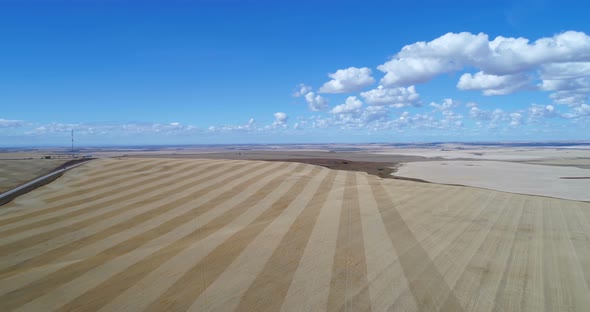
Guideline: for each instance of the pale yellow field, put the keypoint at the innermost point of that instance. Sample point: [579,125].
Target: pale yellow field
[555,181]
[215,235]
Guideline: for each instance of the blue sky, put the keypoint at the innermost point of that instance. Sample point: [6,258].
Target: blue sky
[203,72]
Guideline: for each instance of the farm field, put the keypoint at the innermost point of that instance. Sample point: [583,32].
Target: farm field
[567,182]
[14,172]
[145,234]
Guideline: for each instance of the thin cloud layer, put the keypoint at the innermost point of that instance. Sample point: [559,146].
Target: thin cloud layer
[8,123]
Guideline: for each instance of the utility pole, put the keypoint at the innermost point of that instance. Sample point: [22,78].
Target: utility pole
[72,143]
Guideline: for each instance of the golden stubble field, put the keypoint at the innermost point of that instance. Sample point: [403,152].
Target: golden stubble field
[223,235]
[14,172]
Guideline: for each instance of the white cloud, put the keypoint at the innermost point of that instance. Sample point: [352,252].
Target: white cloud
[497,118]
[580,84]
[537,112]
[516,119]
[568,70]
[125,129]
[352,104]
[492,117]
[504,63]
[374,113]
[394,97]
[479,114]
[492,84]
[422,61]
[446,105]
[570,80]
[249,126]
[316,102]
[7,123]
[582,110]
[348,80]
[511,55]
[302,90]
[569,97]
[280,119]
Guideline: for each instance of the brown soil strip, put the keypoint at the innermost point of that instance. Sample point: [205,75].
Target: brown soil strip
[117,284]
[268,291]
[75,213]
[186,290]
[380,169]
[117,228]
[413,259]
[123,175]
[107,171]
[137,194]
[70,203]
[349,289]
[81,195]
[44,285]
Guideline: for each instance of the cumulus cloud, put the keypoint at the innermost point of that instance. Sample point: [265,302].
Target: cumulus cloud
[492,84]
[374,113]
[568,70]
[503,62]
[394,97]
[280,119]
[371,117]
[494,117]
[316,102]
[422,61]
[537,112]
[348,80]
[352,104]
[571,98]
[582,110]
[302,90]
[445,105]
[580,84]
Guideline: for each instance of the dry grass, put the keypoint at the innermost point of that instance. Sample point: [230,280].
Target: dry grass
[177,235]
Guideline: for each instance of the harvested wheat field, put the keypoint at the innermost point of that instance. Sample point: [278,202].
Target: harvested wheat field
[223,235]
[14,172]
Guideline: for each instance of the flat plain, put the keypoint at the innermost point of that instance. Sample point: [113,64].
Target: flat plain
[568,182]
[147,234]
